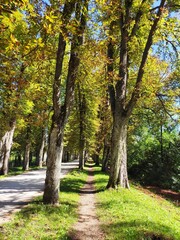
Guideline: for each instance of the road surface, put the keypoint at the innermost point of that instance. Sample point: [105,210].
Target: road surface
[17,191]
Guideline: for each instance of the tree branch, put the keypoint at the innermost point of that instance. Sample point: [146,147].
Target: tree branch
[135,94]
[123,64]
[173,46]
[137,20]
[110,68]
[159,96]
[167,6]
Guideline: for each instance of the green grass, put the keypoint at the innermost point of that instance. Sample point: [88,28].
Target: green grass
[39,221]
[133,215]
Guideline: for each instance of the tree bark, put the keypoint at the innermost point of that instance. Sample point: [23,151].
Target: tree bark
[55,150]
[118,153]
[5,148]
[123,174]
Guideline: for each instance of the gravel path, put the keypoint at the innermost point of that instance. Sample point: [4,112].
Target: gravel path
[17,191]
[88,225]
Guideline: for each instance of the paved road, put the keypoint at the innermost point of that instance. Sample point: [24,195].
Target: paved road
[17,191]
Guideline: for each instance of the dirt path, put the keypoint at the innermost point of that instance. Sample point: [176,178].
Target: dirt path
[17,191]
[88,226]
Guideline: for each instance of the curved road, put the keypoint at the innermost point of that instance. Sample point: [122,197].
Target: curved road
[17,191]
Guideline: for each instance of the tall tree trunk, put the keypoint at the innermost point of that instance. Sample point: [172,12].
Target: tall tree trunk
[118,153]
[17,160]
[96,159]
[106,155]
[5,148]
[61,113]
[81,156]
[161,142]
[27,157]
[82,112]
[55,150]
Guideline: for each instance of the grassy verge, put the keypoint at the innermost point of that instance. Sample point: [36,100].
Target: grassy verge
[38,221]
[134,215]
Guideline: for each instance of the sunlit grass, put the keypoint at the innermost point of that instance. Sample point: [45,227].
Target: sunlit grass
[134,215]
[39,221]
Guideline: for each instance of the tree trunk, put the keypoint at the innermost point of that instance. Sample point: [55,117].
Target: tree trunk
[5,148]
[81,158]
[41,150]
[123,175]
[82,140]
[55,150]
[96,159]
[27,151]
[82,112]
[118,171]
[27,156]
[45,157]
[66,155]
[18,160]
[106,155]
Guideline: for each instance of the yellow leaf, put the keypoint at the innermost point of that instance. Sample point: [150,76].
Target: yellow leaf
[50,19]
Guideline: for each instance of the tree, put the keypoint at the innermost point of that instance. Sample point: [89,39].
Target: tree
[61,111]
[19,45]
[137,22]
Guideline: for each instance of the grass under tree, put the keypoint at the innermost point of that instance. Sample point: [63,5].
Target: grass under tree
[134,215]
[39,221]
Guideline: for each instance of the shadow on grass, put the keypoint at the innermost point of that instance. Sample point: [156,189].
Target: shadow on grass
[72,184]
[37,207]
